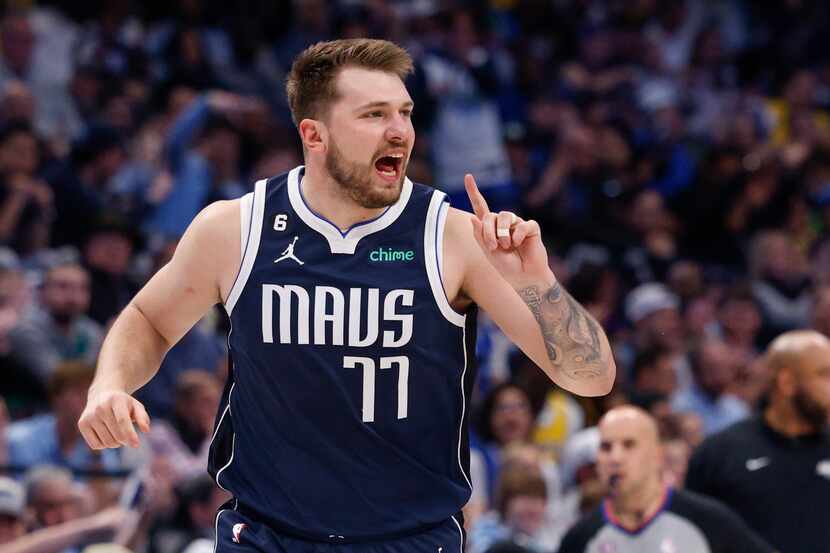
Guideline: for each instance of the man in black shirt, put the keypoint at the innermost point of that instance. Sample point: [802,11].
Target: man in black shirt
[774,470]
[641,513]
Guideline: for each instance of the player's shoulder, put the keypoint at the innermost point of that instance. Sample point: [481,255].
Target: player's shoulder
[697,507]
[458,233]
[214,233]
[218,216]
[734,437]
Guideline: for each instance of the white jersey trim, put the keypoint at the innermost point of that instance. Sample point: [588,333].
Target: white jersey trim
[433,243]
[216,531]
[463,409]
[439,244]
[233,437]
[460,532]
[339,242]
[246,206]
[249,252]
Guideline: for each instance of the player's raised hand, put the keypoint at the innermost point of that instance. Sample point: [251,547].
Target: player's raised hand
[107,420]
[513,246]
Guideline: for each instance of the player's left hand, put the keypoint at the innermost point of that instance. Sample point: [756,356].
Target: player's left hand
[512,245]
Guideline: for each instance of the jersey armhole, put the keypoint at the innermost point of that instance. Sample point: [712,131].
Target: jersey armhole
[252,211]
[246,206]
[433,255]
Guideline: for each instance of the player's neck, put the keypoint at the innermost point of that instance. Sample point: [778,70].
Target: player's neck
[636,509]
[327,198]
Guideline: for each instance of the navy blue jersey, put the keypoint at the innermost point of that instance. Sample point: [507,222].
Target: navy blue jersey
[346,408]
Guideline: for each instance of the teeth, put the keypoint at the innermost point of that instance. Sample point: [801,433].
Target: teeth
[387,173]
[396,155]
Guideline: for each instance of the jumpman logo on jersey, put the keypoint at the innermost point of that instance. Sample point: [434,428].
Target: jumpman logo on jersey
[289,253]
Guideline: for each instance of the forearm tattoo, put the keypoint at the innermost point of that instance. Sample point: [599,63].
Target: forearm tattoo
[571,335]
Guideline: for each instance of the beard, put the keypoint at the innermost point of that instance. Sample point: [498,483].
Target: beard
[810,410]
[64,318]
[356,180]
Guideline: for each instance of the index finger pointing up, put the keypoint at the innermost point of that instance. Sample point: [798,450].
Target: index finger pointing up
[476,199]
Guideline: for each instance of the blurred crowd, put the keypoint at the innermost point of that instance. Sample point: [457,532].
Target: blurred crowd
[675,152]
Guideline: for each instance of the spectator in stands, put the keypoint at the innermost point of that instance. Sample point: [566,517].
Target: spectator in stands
[29,52]
[22,375]
[820,317]
[12,504]
[520,513]
[83,186]
[582,487]
[58,521]
[192,529]
[780,282]
[640,512]
[505,418]
[655,313]
[54,437]
[654,371]
[185,440]
[714,370]
[654,238]
[739,318]
[462,78]
[51,496]
[203,149]
[64,332]
[676,450]
[16,102]
[107,253]
[773,469]
[26,206]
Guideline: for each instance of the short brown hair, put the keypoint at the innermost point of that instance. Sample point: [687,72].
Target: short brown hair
[310,84]
[192,381]
[70,373]
[517,481]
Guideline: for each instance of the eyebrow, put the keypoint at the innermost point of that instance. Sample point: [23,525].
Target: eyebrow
[408,103]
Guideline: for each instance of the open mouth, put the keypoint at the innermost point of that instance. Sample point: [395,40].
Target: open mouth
[389,167]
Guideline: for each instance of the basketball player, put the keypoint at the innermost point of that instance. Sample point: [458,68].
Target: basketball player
[351,292]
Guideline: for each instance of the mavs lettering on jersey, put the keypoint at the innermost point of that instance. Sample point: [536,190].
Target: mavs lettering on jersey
[345,413]
[330,311]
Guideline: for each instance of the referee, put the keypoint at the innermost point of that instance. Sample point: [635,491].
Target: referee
[641,514]
[774,470]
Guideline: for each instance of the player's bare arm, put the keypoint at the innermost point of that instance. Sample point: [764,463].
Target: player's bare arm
[199,275]
[499,261]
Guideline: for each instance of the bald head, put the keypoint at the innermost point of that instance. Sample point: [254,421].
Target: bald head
[794,350]
[632,419]
[799,364]
[629,456]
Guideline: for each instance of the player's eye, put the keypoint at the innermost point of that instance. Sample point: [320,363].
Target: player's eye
[375,114]
[406,113]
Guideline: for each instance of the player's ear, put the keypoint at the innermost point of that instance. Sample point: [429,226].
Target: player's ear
[314,134]
[785,381]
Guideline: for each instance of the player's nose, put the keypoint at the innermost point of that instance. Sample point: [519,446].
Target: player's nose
[398,130]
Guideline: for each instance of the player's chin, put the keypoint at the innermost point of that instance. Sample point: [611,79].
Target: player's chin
[381,195]
[386,188]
